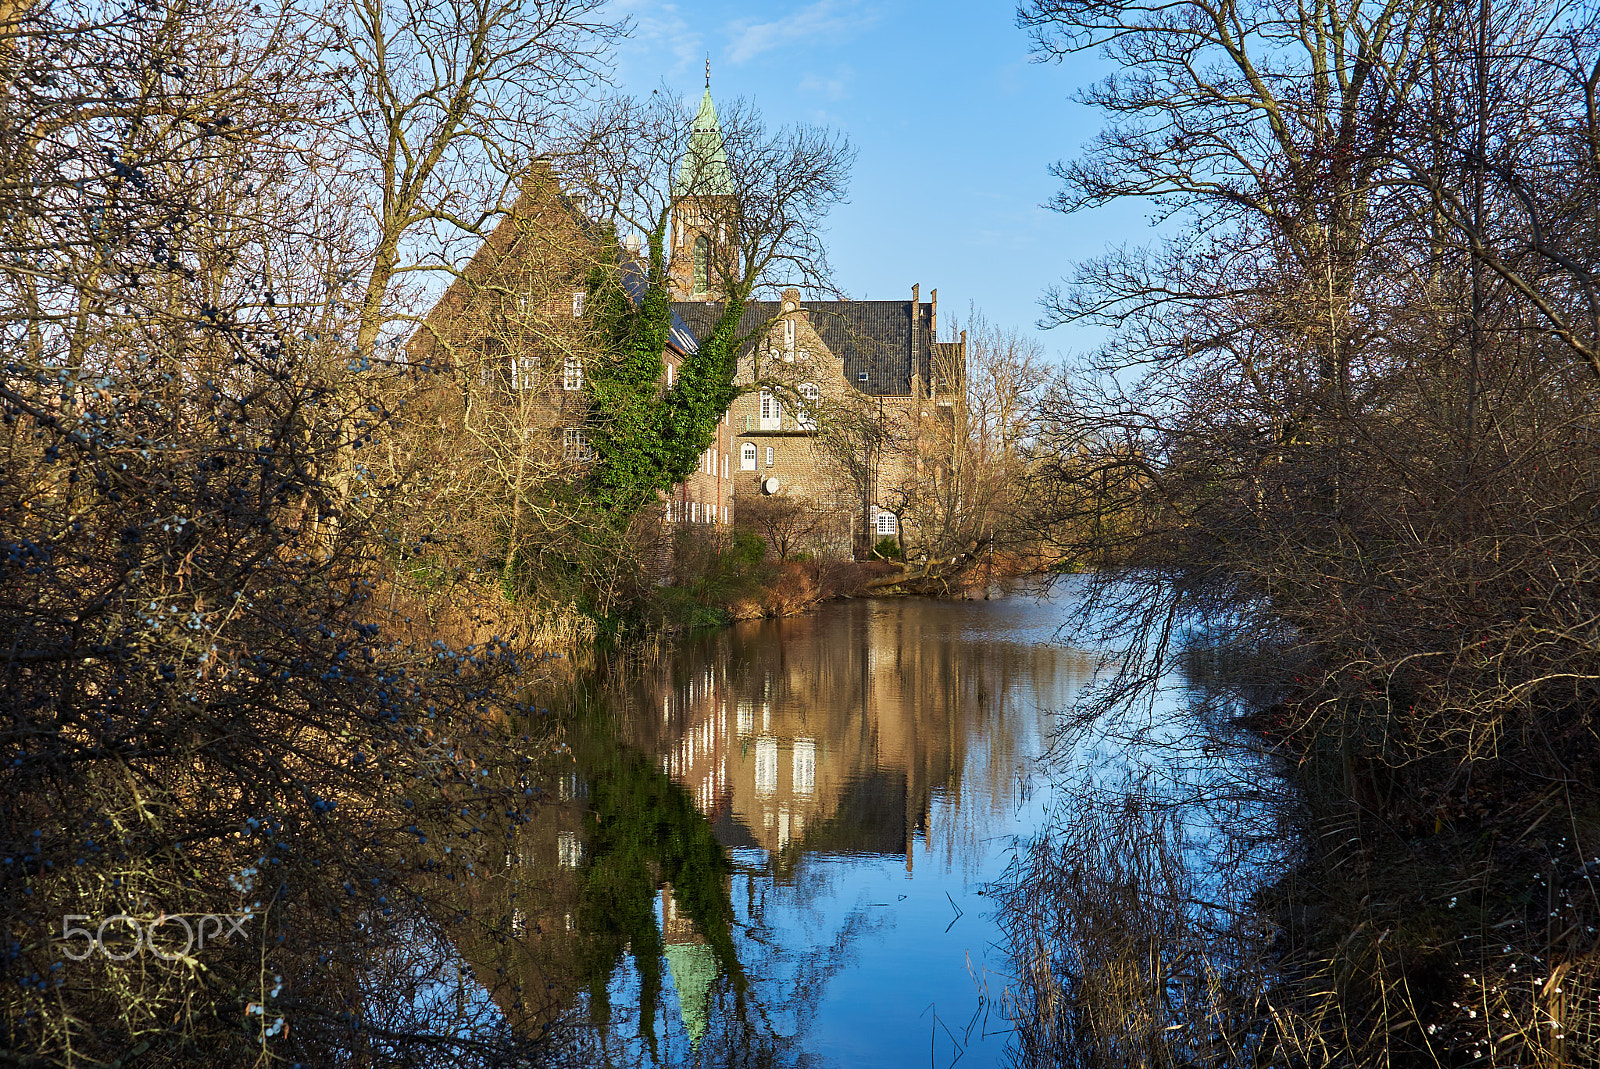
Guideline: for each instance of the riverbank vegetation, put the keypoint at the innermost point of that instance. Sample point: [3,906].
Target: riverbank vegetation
[1346,417]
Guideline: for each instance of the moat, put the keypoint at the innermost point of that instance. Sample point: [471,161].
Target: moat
[775,846]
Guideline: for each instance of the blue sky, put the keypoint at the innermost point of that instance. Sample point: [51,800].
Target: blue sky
[954,125]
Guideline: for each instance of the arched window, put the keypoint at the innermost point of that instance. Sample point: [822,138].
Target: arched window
[702,264]
[747,457]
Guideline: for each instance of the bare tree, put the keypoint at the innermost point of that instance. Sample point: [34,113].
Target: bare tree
[444,106]
[200,718]
[965,489]
[755,199]
[1347,413]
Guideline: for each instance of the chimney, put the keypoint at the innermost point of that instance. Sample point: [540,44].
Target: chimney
[916,317]
[933,295]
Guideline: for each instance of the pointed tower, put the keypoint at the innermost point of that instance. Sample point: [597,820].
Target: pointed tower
[703,189]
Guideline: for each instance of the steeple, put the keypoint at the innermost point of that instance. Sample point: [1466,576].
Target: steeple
[704,170]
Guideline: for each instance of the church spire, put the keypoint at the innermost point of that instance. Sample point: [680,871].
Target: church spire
[704,171]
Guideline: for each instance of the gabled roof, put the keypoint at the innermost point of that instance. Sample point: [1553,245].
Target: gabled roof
[704,171]
[868,336]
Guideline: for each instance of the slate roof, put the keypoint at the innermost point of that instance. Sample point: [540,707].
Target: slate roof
[869,336]
[633,281]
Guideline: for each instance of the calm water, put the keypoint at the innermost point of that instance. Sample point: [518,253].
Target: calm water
[773,849]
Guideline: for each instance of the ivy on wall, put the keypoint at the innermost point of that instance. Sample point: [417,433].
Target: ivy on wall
[645,440]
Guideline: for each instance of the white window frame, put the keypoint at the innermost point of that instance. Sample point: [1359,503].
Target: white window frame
[887,523]
[748,457]
[806,415]
[694,512]
[724,465]
[788,341]
[769,456]
[524,372]
[805,766]
[578,299]
[572,373]
[771,411]
[575,445]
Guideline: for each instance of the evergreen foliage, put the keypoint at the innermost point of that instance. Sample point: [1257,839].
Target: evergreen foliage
[646,441]
[647,831]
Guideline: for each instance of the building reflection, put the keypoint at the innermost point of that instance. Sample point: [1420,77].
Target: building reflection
[861,731]
[866,730]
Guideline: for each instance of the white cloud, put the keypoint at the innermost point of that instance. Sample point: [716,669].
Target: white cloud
[659,29]
[824,18]
[835,88]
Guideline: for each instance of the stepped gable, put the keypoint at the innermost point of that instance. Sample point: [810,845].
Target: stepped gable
[869,336]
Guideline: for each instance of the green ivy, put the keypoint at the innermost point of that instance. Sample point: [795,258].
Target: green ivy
[644,441]
[645,832]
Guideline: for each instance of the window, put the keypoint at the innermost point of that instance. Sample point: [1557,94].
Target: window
[670,370]
[886,523]
[769,456]
[575,444]
[702,264]
[805,766]
[524,372]
[766,764]
[861,377]
[788,341]
[569,849]
[747,457]
[577,304]
[571,373]
[694,512]
[724,515]
[771,411]
[807,416]
[724,465]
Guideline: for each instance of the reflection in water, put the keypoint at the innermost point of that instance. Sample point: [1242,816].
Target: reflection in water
[862,729]
[780,838]
[837,756]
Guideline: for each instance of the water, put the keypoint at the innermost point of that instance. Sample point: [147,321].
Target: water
[868,769]
[774,848]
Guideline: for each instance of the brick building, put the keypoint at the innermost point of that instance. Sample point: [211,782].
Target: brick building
[838,396]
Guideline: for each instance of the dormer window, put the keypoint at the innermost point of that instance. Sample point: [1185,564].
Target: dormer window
[771,411]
